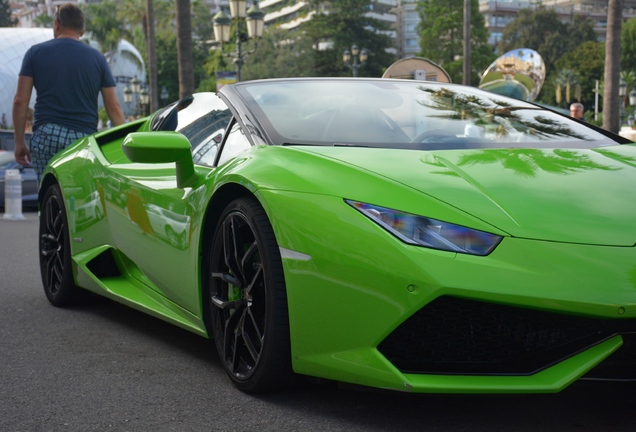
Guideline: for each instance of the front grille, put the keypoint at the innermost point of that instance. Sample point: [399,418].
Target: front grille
[459,336]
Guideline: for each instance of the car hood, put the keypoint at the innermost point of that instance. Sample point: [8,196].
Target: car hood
[565,195]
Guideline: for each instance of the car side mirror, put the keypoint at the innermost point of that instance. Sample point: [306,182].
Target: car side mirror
[162,147]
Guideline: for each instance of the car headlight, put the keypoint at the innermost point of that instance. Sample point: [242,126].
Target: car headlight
[427,232]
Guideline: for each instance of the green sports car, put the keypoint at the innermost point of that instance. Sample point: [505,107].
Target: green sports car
[398,234]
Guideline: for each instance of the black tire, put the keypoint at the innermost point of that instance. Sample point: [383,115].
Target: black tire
[55,251]
[246,300]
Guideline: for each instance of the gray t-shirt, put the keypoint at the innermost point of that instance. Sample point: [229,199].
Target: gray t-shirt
[68,76]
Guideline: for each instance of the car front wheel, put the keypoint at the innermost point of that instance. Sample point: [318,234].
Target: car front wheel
[246,300]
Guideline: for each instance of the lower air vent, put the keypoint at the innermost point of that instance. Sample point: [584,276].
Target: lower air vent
[104,265]
[459,336]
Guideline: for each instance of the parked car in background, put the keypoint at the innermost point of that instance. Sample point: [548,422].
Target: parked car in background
[7,140]
[29,180]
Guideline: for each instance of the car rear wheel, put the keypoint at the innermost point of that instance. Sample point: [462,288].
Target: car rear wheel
[247,302]
[55,251]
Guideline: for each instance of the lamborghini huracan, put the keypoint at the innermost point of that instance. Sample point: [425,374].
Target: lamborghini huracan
[398,234]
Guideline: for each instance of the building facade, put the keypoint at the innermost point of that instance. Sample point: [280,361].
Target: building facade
[499,13]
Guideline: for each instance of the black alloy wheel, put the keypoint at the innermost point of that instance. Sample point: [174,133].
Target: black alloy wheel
[55,251]
[246,300]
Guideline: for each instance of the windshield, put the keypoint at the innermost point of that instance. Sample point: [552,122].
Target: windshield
[407,114]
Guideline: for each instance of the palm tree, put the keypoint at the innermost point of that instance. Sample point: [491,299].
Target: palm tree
[152,56]
[136,12]
[567,79]
[184,48]
[611,100]
[466,64]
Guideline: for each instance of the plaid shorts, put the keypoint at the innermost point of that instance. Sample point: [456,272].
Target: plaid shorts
[47,140]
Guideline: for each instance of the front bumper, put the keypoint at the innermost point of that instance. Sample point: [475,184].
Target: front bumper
[533,316]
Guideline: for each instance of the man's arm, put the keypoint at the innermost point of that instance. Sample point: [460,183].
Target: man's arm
[113,108]
[20,110]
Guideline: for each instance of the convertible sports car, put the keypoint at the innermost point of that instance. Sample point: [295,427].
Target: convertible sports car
[398,234]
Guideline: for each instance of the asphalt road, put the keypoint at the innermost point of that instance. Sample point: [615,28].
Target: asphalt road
[103,367]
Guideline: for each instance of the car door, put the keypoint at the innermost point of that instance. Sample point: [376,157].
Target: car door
[160,218]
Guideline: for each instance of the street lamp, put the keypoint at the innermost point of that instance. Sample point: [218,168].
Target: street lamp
[358,56]
[128,97]
[136,85]
[253,19]
[622,92]
[135,90]
[622,88]
[144,100]
[632,97]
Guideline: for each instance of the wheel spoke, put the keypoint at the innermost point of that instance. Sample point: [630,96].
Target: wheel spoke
[52,244]
[257,279]
[253,337]
[248,258]
[249,264]
[48,218]
[49,274]
[231,242]
[230,334]
[226,277]
[59,227]
[222,304]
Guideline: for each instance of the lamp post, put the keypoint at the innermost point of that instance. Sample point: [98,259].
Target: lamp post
[135,85]
[622,92]
[631,98]
[253,19]
[127,97]
[144,100]
[355,58]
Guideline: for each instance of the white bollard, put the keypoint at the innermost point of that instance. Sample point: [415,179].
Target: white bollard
[13,195]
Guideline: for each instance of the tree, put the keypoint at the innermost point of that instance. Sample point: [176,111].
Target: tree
[281,54]
[628,45]
[43,20]
[167,68]
[441,37]
[611,101]
[567,81]
[152,56]
[5,15]
[344,26]
[588,61]
[202,27]
[103,22]
[184,48]
[542,30]
[466,72]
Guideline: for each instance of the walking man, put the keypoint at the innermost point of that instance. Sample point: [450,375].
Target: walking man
[68,76]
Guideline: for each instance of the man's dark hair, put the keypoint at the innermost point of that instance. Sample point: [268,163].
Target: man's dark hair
[70,16]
